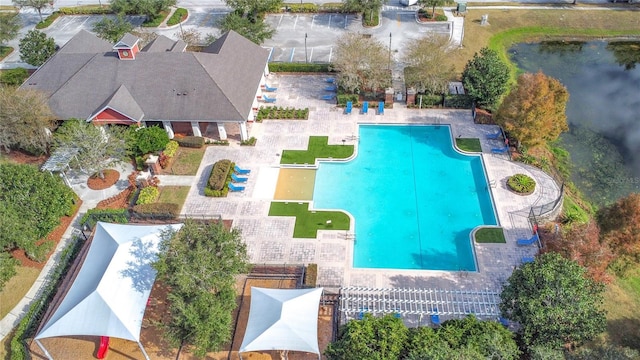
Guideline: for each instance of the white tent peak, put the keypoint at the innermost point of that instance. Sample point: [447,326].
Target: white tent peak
[283,319]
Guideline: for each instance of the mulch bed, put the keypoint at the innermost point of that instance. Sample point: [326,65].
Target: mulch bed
[110,177]
[20,157]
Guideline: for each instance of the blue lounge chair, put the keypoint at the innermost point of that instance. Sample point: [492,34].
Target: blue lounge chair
[329,97]
[331,88]
[365,107]
[528,259]
[241,171]
[435,318]
[268,99]
[330,80]
[504,321]
[269,88]
[500,150]
[381,108]
[495,136]
[238,179]
[530,241]
[235,187]
[347,110]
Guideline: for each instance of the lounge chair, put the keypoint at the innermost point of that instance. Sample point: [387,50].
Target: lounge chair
[235,187]
[329,97]
[501,150]
[268,99]
[330,80]
[330,88]
[347,110]
[530,241]
[238,179]
[504,321]
[269,88]
[435,318]
[365,107]
[241,171]
[495,136]
[381,108]
[528,259]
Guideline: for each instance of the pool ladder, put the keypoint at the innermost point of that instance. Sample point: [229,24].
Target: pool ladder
[350,236]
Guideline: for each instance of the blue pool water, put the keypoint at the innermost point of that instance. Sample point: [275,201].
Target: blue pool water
[415,200]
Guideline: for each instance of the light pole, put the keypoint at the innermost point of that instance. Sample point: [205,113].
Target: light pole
[306,59]
[389,51]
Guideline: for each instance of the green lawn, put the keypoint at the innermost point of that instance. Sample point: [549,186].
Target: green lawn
[622,302]
[173,194]
[490,235]
[309,222]
[5,51]
[469,144]
[318,148]
[16,288]
[186,162]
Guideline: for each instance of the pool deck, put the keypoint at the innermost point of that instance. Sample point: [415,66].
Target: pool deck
[270,239]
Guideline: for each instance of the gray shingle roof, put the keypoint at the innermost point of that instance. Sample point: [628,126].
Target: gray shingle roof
[163,43]
[127,41]
[180,86]
[124,103]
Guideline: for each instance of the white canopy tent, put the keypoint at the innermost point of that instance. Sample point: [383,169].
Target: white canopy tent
[283,319]
[109,295]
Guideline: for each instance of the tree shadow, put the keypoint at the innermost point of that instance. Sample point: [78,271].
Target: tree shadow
[139,270]
[625,332]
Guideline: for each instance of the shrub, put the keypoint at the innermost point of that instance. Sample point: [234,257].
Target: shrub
[92,216]
[163,160]
[148,195]
[369,20]
[85,10]
[191,141]
[219,174]
[429,100]
[216,193]
[521,183]
[336,7]
[299,67]
[155,21]
[14,77]
[440,17]
[311,275]
[178,16]
[302,8]
[459,101]
[249,142]
[171,148]
[147,140]
[344,98]
[48,20]
[7,267]
[156,211]
[218,142]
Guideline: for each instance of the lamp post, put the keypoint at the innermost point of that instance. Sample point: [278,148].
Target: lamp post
[306,59]
[389,51]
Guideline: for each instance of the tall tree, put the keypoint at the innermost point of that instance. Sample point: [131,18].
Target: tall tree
[9,26]
[486,78]
[427,68]
[534,112]
[36,48]
[620,223]
[254,10]
[554,302]
[433,4]
[99,148]
[257,32]
[199,264]
[111,29]
[150,8]
[25,120]
[362,63]
[38,5]
[365,6]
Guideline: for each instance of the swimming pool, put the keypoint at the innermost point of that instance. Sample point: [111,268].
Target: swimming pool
[414,198]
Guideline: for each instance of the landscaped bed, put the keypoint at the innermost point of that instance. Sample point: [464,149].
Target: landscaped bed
[488,235]
[318,148]
[469,144]
[185,162]
[309,222]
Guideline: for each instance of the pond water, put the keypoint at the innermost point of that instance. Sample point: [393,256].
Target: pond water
[603,79]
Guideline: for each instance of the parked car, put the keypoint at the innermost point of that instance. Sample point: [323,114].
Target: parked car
[408,2]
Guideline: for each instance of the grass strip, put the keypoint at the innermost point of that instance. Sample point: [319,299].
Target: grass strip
[490,235]
[469,144]
[318,148]
[309,222]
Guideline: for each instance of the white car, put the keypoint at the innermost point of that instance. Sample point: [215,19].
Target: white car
[408,2]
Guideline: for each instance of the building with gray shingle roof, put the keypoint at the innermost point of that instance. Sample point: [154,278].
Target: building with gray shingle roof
[162,83]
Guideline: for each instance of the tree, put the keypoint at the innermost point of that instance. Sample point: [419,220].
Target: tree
[604,352]
[145,140]
[99,148]
[620,223]
[368,339]
[112,30]
[534,112]
[257,31]
[554,302]
[150,8]
[199,264]
[365,6]
[14,77]
[9,26]
[36,48]
[426,60]
[433,4]
[362,63]
[7,268]
[254,9]
[38,5]
[486,78]
[25,120]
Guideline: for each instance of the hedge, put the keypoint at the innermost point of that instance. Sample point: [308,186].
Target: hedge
[460,101]
[249,142]
[299,67]
[344,98]
[336,7]
[302,8]
[171,148]
[156,211]
[219,174]
[14,77]
[178,16]
[48,20]
[191,141]
[429,101]
[92,216]
[148,195]
[85,10]
[276,112]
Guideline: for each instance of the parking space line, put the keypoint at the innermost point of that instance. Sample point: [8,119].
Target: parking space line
[329,21]
[295,23]
[293,50]
[345,20]
[279,21]
[311,56]
[313,18]
[330,53]
[270,54]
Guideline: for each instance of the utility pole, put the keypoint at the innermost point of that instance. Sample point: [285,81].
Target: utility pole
[389,51]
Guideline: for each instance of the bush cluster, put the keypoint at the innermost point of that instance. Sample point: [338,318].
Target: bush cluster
[336,7]
[85,10]
[276,112]
[521,183]
[344,98]
[249,142]
[299,68]
[148,195]
[156,211]
[155,21]
[13,77]
[429,100]
[220,173]
[218,142]
[191,141]
[171,148]
[458,101]
[178,16]
[116,216]
[146,140]
[302,8]
[48,20]
[369,20]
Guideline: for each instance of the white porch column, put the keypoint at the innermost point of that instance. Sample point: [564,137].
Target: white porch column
[195,127]
[168,128]
[243,131]
[266,68]
[222,131]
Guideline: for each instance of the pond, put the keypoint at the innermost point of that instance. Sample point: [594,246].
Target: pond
[603,79]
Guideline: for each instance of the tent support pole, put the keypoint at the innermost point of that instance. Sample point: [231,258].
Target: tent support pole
[240,355]
[141,349]
[46,353]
